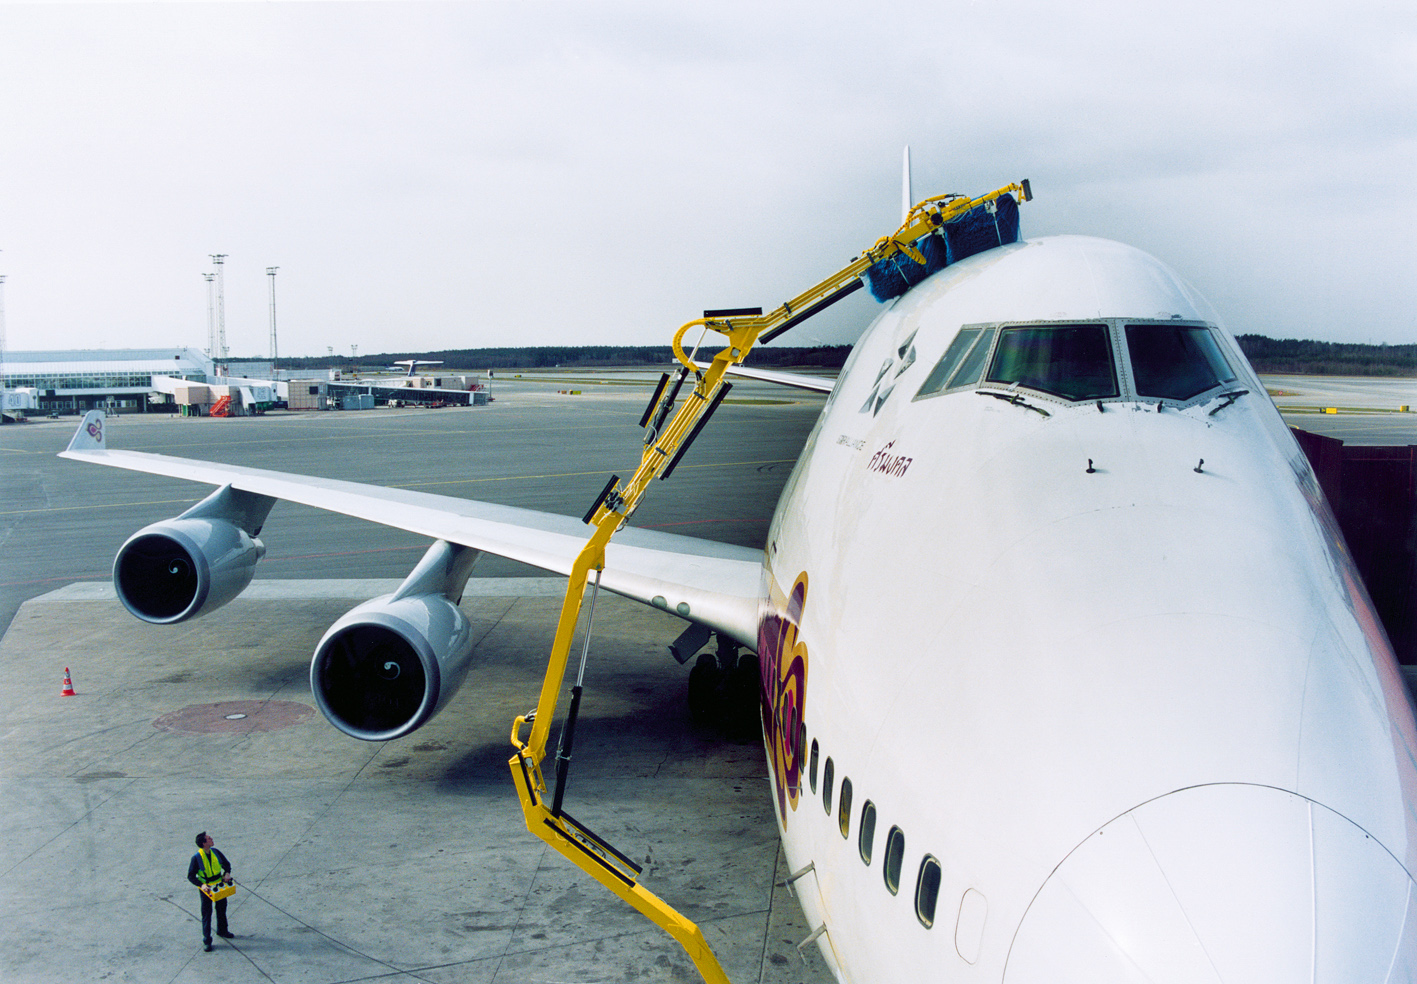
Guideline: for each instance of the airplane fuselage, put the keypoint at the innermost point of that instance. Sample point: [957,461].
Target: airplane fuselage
[1096,657]
[1067,674]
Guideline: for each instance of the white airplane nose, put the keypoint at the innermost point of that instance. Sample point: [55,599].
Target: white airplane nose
[1222,884]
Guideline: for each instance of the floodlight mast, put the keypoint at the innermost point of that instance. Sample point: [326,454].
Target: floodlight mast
[2,342]
[275,352]
[211,314]
[219,261]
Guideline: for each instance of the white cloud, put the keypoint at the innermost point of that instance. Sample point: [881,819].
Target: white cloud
[452,175]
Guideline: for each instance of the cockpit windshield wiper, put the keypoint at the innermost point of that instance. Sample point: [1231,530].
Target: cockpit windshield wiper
[1229,398]
[1014,399]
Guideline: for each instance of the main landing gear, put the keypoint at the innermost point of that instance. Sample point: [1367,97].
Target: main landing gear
[723,691]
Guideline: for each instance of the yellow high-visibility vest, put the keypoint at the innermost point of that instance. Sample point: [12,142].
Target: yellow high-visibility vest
[211,868]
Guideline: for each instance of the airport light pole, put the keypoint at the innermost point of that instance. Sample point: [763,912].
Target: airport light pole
[219,260]
[275,351]
[2,342]
[211,314]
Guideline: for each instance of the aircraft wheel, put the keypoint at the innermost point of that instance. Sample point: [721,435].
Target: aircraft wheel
[705,690]
[741,719]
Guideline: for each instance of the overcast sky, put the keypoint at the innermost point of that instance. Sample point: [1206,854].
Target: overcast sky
[456,175]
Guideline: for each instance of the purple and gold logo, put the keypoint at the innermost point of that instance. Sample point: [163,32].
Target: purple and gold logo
[784,693]
[95,429]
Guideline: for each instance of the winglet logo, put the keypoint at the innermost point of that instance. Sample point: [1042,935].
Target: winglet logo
[95,430]
[784,695]
[903,359]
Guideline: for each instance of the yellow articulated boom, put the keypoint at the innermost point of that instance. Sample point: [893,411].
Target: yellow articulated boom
[665,443]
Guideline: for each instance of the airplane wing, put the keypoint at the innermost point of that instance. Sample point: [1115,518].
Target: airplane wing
[817,384]
[714,584]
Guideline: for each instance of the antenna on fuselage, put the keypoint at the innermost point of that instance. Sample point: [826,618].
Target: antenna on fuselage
[906,199]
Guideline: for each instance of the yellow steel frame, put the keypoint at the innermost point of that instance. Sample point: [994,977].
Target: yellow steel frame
[583,848]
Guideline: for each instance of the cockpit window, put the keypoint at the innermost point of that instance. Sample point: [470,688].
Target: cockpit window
[1112,358]
[949,361]
[1175,362]
[1070,361]
[968,372]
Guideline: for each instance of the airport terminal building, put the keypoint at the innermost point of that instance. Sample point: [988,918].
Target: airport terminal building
[187,381]
[78,380]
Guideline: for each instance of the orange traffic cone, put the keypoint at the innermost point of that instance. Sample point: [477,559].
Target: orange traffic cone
[68,690]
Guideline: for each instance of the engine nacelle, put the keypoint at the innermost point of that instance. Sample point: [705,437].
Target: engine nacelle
[171,571]
[386,667]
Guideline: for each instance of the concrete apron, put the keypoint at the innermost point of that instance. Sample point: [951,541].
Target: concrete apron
[407,859]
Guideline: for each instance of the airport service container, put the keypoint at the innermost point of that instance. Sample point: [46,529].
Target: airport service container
[192,394]
[307,394]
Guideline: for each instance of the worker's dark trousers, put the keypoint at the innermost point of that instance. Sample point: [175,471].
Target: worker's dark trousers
[207,917]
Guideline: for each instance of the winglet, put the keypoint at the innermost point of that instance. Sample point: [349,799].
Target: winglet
[89,436]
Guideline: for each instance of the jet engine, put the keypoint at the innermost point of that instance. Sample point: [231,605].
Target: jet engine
[196,563]
[179,568]
[386,667]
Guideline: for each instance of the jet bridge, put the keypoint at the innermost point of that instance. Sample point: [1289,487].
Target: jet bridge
[1372,490]
[423,395]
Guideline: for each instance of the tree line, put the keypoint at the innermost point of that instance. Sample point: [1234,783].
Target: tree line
[1299,355]
[576,357]
[1277,355]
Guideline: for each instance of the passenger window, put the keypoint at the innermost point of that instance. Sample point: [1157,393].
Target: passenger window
[865,840]
[812,767]
[949,361]
[1070,361]
[1175,362]
[828,775]
[843,808]
[895,853]
[927,891]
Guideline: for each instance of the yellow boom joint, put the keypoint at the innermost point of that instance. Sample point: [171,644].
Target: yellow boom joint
[670,427]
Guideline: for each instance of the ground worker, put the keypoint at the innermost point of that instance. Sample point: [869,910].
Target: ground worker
[210,867]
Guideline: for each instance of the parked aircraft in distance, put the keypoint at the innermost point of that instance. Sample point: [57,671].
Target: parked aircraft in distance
[1066,673]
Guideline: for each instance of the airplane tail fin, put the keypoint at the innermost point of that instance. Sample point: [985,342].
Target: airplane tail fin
[89,436]
[906,199]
